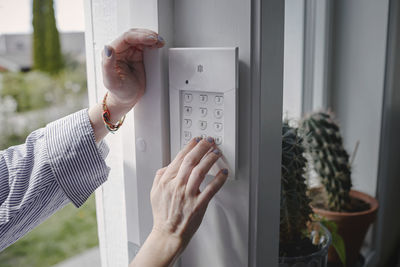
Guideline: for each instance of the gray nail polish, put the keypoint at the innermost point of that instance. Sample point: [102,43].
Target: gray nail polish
[107,51]
[225,171]
[210,139]
[198,139]
[160,39]
[216,151]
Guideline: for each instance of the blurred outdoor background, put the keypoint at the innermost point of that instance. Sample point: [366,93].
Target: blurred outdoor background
[43,78]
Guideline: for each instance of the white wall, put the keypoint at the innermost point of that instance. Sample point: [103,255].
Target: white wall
[359,49]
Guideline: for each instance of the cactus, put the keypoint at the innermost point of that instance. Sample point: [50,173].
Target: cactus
[295,204]
[330,160]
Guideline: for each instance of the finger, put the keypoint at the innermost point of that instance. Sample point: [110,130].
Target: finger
[173,167]
[193,158]
[200,171]
[111,77]
[159,174]
[135,37]
[213,187]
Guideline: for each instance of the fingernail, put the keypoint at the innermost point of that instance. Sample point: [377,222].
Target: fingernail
[210,139]
[160,39]
[107,51]
[151,37]
[198,139]
[216,151]
[225,171]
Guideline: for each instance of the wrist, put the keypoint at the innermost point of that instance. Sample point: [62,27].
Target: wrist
[169,244]
[117,108]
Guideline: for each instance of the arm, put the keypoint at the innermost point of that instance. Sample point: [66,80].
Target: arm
[177,203]
[65,161]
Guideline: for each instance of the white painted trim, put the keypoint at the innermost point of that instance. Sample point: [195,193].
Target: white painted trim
[100,19]
[317,39]
[266,133]
[293,59]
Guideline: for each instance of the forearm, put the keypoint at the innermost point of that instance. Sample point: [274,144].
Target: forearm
[159,250]
[117,111]
[57,163]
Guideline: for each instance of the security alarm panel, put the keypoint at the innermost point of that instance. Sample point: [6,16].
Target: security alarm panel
[203,86]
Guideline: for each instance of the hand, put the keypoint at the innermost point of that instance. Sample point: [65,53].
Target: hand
[177,203]
[123,75]
[123,68]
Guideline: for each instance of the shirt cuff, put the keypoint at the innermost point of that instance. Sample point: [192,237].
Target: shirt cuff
[76,161]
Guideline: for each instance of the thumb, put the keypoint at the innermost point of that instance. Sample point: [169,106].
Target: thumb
[110,74]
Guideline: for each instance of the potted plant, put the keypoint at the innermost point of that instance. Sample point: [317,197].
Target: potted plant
[351,210]
[300,240]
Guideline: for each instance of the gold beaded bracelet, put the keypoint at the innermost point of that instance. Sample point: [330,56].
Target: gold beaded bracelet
[106,118]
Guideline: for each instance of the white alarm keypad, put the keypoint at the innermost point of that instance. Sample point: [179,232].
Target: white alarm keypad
[202,116]
[203,93]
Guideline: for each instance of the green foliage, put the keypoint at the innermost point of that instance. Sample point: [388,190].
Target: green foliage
[295,211]
[68,232]
[47,54]
[39,26]
[337,241]
[329,158]
[37,90]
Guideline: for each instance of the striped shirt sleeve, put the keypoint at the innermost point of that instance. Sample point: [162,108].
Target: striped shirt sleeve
[58,164]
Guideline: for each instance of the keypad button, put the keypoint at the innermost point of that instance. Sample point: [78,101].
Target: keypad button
[218,126]
[218,140]
[202,125]
[187,110]
[203,98]
[204,136]
[203,112]
[219,100]
[187,135]
[187,123]
[188,97]
[218,113]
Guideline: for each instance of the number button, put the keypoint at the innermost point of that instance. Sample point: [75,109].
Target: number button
[203,112]
[187,123]
[187,110]
[202,125]
[219,100]
[218,113]
[218,140]
[203,98]
[218,126]
[188,98]
[187,135]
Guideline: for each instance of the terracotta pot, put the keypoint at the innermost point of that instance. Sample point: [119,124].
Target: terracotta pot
[352,226]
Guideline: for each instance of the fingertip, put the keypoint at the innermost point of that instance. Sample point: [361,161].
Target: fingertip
[225,172]
[151,38]
[108,51]
[160,39]
[217,152]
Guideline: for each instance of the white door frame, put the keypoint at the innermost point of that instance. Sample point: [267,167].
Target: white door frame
[142,145]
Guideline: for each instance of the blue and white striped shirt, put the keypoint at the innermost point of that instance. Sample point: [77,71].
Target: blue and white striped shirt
[57,164]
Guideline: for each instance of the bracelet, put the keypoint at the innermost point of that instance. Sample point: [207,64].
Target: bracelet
[106,118]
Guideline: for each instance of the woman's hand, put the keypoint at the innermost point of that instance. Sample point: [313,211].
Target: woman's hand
[123,68]
[123,75]
[177,203]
